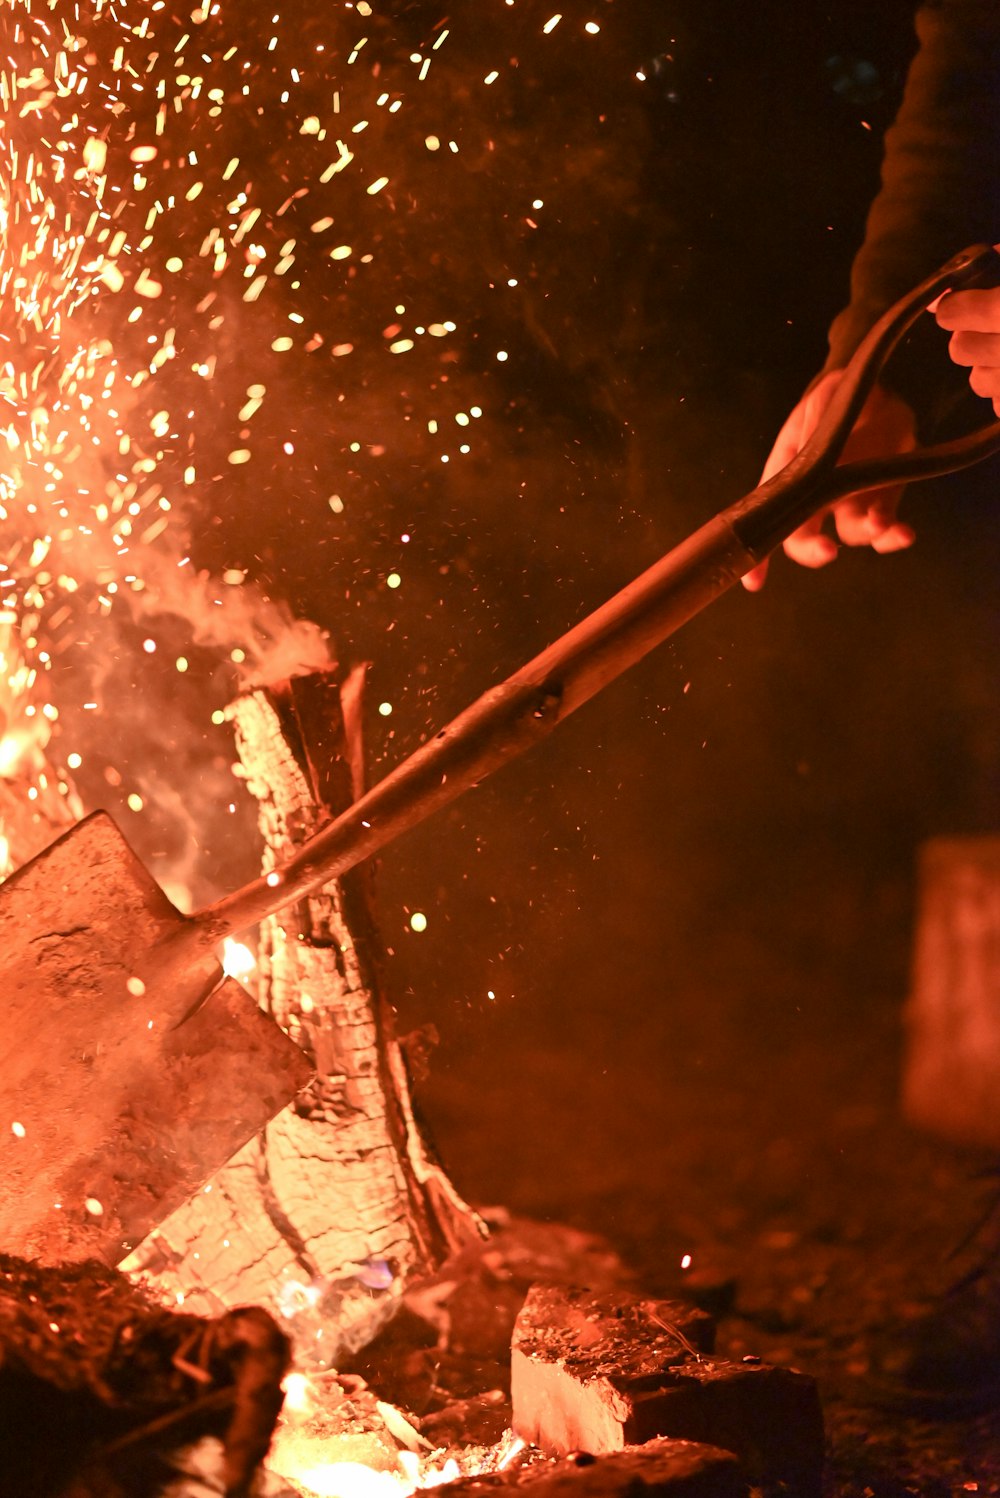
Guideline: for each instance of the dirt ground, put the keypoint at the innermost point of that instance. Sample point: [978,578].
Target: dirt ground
[781,1166]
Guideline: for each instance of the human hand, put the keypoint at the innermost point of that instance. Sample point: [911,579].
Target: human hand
[886,425]
[973,318]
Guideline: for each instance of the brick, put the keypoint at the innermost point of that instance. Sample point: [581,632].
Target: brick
[599,1373]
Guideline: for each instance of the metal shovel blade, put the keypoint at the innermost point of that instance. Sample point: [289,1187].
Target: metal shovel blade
[114,1106]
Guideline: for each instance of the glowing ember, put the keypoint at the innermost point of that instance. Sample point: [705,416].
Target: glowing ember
[309,1451]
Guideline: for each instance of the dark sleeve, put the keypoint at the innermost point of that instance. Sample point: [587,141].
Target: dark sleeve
[941,171]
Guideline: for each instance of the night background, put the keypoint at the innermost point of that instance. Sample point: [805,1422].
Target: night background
[666,953]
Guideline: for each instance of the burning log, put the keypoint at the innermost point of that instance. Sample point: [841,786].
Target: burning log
[336,1204]
[598,1373]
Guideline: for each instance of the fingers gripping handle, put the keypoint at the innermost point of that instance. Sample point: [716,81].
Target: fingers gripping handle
[511,717]
[812,479]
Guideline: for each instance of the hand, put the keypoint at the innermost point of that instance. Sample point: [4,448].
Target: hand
[886,425]
[973,317]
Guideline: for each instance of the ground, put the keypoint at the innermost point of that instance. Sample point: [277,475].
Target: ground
[668,954]
[784,1166]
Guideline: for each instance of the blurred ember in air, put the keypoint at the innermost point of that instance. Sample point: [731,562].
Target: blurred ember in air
[210,305]
[243,273]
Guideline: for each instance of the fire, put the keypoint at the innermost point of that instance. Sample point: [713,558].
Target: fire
[346,1480]
[238,961]
[306,1453]
[143,258]
[10,753]
[145,250]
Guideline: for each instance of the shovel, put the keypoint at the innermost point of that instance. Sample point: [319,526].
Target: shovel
[128,1075]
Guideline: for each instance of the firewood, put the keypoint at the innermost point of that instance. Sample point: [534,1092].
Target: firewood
[598,1373]
[329,1212]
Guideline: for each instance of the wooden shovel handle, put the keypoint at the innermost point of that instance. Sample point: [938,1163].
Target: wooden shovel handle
[504,722]
[511,717]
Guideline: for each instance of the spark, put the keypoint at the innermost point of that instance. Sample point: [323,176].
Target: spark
[152,273]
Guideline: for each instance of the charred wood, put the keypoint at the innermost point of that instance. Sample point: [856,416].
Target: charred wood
[673,1469]
[337,1204]
[598,1373]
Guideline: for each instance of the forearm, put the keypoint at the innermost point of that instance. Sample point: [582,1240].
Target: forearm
[941,171]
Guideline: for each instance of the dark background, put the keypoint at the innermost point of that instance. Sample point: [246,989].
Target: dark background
[710,870]
[692,907]
[724,844]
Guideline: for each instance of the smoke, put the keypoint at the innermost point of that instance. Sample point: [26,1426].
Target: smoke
[228,615]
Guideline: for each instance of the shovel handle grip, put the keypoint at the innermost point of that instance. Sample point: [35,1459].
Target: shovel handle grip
[815,477]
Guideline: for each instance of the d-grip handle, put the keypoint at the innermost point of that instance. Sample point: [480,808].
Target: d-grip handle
[815,477]
[509,718]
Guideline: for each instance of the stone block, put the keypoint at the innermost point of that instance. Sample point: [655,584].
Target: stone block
[599,1373]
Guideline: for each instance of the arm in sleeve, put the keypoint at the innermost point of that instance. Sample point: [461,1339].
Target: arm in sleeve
[941,171]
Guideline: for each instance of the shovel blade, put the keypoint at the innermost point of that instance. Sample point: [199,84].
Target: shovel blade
[119,1095]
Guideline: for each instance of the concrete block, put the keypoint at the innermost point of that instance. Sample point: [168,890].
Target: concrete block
[599,1373]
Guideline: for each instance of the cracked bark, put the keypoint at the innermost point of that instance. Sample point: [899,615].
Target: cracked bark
[336,1205]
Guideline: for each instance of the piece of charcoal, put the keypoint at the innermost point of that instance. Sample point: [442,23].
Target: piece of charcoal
[480,1421]
[598,1373]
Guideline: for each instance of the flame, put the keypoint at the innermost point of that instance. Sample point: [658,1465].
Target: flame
[306,1453]
[238,961]
[301,1461]
[10,753]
